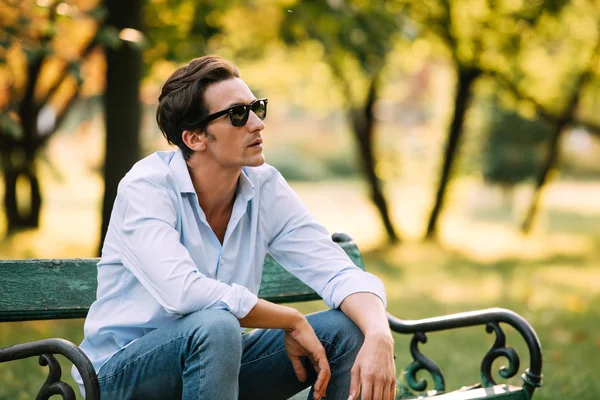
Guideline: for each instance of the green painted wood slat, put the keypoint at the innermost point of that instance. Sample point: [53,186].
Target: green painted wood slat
[55,289]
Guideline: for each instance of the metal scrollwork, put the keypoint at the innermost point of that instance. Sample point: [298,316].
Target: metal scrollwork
[499,349]
[422,363]
[54,384]
[491,317]
[46,349]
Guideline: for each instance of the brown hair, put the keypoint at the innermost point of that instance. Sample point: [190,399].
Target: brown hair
[181,104]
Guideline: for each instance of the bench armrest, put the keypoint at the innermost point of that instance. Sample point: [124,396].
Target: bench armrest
[491,318]
[46,349]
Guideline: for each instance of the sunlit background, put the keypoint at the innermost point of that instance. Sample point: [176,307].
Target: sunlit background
[457,141]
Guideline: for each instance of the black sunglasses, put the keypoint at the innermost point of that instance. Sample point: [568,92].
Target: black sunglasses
[239,114]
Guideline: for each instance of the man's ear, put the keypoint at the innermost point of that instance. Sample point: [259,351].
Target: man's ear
[195,140]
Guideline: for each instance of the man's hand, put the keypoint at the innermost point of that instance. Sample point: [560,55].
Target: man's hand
[301,341]
[374,371]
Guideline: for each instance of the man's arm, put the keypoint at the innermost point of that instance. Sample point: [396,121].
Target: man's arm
[303,247]
[299,338]
[374,370]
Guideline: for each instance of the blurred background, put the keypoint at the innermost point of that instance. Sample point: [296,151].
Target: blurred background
[458,141]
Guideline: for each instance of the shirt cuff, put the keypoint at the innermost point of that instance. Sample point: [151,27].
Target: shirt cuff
[368,283]
[239,300]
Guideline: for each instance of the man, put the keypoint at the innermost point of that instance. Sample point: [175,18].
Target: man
[182,262]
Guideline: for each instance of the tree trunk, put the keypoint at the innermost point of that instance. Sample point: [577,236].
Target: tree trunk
[466,79]
[121,104]
[363,124]
[559,126]
[542,177]
[11,174]
[13,167]
[18,160]
[35,205]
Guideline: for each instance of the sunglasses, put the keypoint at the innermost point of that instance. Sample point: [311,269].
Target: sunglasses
[239,114]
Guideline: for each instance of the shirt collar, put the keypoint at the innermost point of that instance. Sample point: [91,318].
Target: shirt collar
[182,175]
[245,186]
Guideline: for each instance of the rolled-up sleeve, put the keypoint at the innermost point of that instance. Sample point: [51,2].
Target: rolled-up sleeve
[304,248]
[151,249]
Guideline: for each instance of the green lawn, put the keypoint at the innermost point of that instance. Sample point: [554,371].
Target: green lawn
[551,278]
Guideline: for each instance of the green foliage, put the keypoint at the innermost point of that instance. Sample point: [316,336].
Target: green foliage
[490,35]
[356,38]
[109,37]
[181,30]
[514,145]
[10,126]
[362,29]
[98,13]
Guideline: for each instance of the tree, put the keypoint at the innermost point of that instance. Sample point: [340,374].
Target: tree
[561,122]
[356,39]
[482,37]
[43,46]
[574,54]
[181,30]
[513,145]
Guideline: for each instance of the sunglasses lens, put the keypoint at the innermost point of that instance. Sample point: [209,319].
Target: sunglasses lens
[238,115]
[260,108]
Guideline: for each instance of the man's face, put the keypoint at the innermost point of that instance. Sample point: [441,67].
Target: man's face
[233,146]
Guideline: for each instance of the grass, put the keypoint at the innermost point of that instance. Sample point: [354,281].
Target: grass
[552,278]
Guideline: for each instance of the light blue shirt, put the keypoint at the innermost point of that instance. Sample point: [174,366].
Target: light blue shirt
[161,260]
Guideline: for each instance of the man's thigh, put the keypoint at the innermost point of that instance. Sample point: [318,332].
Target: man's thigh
[148,368]
[153,366]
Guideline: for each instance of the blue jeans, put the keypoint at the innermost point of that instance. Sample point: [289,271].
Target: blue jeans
[204,355]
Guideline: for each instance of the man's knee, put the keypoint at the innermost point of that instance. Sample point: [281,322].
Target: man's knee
[217,329]
[337,332]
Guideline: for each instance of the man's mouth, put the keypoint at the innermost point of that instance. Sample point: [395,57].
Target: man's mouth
[256,143]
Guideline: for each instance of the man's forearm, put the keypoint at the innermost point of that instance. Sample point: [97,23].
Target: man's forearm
[267,315]
[373,374]
[367,312]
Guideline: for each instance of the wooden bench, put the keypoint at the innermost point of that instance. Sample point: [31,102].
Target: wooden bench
[58,289]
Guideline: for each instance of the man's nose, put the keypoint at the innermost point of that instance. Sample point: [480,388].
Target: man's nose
[254,123]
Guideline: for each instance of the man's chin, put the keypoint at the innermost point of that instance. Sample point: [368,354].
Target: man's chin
[257,161]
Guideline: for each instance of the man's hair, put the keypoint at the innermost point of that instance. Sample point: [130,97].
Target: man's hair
[181,104]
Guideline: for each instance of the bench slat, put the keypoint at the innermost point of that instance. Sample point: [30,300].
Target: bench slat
[56,289]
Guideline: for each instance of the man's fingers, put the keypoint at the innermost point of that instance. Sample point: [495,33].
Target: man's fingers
[393,389]
[354,383]
[378,390]
[385,393]
[366,392]
[321,385]
[299,369]
[322,368]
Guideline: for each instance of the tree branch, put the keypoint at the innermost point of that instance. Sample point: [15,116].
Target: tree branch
[63,113]
[63,74]
[567,114]
[592,127]
[514,89]
[338,74]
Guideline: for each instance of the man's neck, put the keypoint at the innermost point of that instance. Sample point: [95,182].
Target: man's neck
[214,186]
